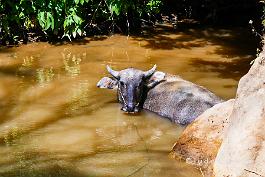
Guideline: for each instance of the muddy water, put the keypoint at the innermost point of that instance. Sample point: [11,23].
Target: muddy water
[55,122]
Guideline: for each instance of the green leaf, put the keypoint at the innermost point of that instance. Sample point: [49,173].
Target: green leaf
[74,34]
[52,22]
[46,20]
[71,21]
[76,1]
[115,9]
[65,23]
[77,19]
[47,24]
[79,32]
[21,15]
[41,19]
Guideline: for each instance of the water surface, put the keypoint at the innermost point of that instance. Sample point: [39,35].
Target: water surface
[56,122]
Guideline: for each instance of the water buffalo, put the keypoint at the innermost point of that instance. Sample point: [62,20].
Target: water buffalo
[167,95]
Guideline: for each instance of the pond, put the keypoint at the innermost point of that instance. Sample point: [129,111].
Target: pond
[56,122]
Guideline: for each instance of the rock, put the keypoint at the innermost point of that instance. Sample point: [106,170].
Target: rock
[228,140]
[242,152]
[200,141]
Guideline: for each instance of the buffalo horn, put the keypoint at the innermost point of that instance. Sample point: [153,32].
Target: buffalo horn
[150,72]
[113,72]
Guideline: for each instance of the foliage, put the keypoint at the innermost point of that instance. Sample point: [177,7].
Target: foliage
[70,18]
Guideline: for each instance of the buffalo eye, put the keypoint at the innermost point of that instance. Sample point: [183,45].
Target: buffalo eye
[122,84]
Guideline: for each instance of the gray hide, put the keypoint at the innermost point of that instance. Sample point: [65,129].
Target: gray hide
[179,100]
[171,96]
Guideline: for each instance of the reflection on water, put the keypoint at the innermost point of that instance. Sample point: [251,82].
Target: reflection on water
[71,62]
[44,75]
[79,97]
[28,61]
[55,122]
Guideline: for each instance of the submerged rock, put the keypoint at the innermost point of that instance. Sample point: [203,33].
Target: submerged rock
[199,143]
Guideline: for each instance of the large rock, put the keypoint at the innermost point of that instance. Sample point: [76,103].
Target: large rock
[228,140]
[242,152]
[200,141]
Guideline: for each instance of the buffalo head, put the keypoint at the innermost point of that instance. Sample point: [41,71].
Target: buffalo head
[131,84]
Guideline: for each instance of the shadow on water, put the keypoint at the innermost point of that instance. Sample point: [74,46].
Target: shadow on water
[58,112]
[43,164]
[82,41]
[51,171]
[5,49]
[232,42]
[233,69]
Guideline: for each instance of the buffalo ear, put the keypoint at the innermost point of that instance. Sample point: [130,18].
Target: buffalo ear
[108,83]
[155,79]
